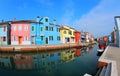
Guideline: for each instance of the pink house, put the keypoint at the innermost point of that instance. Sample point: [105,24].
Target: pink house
[20,32]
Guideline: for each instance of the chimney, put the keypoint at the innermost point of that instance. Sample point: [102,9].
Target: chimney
[54,21]
[37,18]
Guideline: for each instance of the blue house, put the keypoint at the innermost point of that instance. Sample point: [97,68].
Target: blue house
[5,33]
[44,32]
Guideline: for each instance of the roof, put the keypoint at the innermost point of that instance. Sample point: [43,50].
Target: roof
[3,23]
[62,28]
[117,17]
[26,21]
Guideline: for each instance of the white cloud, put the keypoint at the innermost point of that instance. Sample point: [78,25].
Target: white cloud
[100,20]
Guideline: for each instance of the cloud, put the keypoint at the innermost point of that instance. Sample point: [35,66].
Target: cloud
[100,20]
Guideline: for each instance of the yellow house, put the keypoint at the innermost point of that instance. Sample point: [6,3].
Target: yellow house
[67,34]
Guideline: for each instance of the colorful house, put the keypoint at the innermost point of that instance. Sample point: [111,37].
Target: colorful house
[5,33]
[20,32]
[77,37]
[44,32]
[67,34]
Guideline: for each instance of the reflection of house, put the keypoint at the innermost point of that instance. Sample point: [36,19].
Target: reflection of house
[46,62]
[20,32]
[68,56]
[5,33]
[44,32]
[23,62]
[67,34]
[78,52]
[6,63]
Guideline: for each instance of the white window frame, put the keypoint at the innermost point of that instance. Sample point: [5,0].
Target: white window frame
[14,28]
[19,27]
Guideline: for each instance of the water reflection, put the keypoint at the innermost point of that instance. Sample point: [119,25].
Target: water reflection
[49,62]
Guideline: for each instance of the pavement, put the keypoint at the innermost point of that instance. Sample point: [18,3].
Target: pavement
[112,54]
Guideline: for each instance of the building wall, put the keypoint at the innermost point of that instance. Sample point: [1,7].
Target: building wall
[4,33]
[117,23]
[77,37]
[20,30]
[42,35]
[67,37]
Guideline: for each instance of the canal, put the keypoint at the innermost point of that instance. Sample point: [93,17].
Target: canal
[67,62]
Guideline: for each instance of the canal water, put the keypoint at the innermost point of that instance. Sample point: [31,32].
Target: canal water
[67,62]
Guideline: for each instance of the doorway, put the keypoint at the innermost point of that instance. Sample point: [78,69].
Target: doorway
[20,40]
[33,39]
[46,40]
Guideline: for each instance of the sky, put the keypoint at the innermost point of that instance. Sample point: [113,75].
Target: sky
[94,16]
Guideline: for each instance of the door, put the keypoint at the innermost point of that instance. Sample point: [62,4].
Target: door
[20,40]
[46,40]
[33,39]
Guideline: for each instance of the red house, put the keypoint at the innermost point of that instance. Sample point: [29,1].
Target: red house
[77,37]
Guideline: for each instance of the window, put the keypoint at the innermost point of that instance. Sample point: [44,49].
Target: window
[23,66]
[51,28]
[70,32]
[4,28]
[58,29]
[29,66]
[4,38]
[58,37]
[26,28]
[41,28]
[64,32]
[50,37]
[46,20]
[20,28]
[46,28]
[14,28]
[32,28]
[41,38]
[14,38]
[18,66]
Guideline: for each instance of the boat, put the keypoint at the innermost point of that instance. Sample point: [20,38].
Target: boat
[100,50]
[101,45]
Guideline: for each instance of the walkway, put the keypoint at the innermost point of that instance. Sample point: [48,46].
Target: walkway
[112,54]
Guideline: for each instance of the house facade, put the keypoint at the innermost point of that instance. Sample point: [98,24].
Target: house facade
[44,32]
[67,34]
[20,32]
[5,33]
[77,37]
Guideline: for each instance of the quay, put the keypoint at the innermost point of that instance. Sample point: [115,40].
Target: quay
[111,55]
[34,48]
